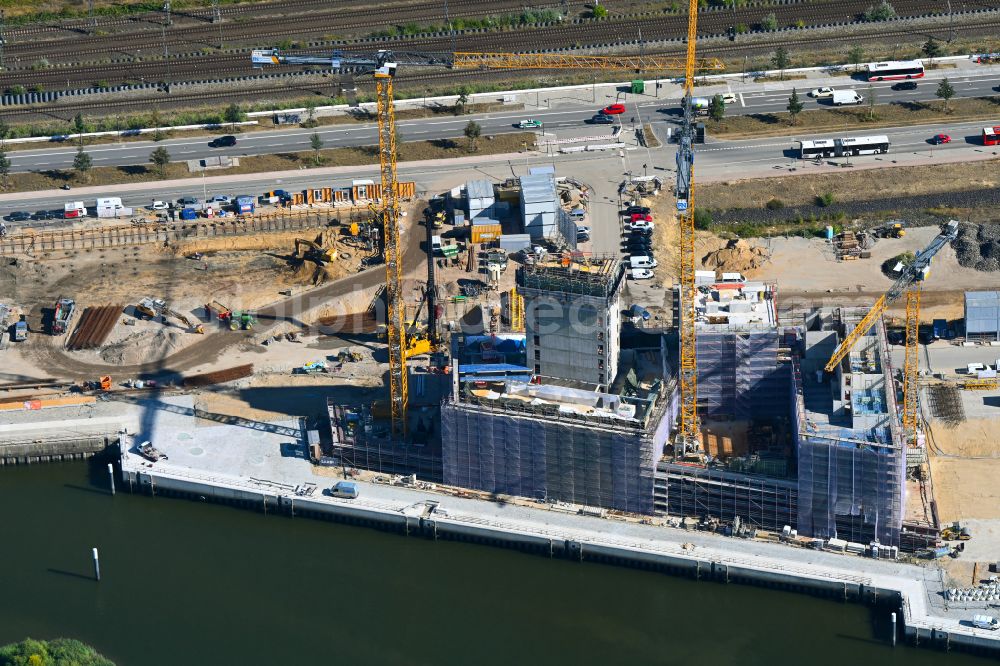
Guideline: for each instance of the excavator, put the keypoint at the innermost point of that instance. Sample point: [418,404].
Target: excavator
[314,252]
[153,308]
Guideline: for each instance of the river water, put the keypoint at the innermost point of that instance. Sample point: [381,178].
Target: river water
[189,583]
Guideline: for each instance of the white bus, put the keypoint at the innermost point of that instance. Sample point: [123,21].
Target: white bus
[895,69]
[847,146]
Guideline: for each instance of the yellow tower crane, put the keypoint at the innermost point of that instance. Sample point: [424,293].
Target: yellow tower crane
[383,66]
[908,284]
[688,426]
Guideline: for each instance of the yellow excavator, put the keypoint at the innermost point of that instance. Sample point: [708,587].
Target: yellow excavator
[314,252]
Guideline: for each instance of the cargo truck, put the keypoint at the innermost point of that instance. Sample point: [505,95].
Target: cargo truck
[244,204]
[63,315]
[73,209]
[21,330]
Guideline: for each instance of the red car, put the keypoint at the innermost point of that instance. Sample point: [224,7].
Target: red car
[640,217]
[941,138]
[613,109]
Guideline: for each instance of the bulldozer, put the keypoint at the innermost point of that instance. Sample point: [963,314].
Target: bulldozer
[956,532]
[890,230]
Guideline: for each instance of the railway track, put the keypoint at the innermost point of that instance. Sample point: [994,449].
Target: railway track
[334,17]
[428,80]
[586,34]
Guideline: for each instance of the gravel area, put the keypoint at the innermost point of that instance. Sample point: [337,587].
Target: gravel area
[978,246]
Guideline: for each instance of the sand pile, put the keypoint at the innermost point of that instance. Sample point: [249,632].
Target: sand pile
[143,347]
[739,256]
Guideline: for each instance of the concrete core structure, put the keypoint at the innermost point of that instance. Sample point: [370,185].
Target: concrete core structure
[573,319]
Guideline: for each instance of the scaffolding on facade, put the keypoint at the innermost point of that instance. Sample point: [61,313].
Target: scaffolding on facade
[549,452]
[851,468]
[586,276]
[359,440]
[740,375]
[700,492]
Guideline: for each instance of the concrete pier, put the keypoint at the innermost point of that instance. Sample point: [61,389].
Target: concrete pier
[708,557]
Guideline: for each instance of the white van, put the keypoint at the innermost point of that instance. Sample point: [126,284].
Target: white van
[842,97]
[643,261]
[436,245]
[345,490]
[985,622]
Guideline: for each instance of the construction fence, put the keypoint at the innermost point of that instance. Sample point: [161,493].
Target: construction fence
[119,235]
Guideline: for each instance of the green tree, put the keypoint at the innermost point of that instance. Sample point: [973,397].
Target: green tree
[795,106]
[82,163]
[310,113]
[79,127]
[599,11]
[702,219]
[4,169]
[932,49]
[856,55]
[316,143]
[717,108]
[945,91]
[883,11]
[51,653]
[160,158]
[4,133]
[462,101]
[234,114]
[780,60]
[472,133]
[769,23]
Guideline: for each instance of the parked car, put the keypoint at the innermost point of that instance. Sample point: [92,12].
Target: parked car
[159,205]
[582,233]
[187,201]
[223,199]
[641,274]
[601,119]
[821,93]
[19,216]
[637,210]
[640,217]
[529,124]
[223,141]
[613,109]
[640,225]
[938,139]
[905,85]
[728,98]
[639,312]
[44,215]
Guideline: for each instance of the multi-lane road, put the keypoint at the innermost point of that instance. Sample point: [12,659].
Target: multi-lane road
[566,113]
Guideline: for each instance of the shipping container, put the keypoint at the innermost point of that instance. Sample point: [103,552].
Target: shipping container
[484,233]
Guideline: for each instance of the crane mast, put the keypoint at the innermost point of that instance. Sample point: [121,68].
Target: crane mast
[687,435]
[388,211]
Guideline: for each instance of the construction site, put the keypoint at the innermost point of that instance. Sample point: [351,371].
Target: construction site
[487,337]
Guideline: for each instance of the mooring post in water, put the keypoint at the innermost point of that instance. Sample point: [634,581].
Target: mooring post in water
[97,566]
[893,629]
[111,477]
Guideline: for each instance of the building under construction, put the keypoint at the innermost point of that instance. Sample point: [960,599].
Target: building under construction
[818,452]
[573,318]
[564,435]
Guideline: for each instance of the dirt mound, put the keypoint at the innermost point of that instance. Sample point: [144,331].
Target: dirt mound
[142,347]
[739,256]
[978,246]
